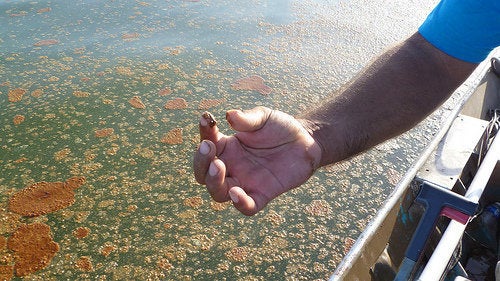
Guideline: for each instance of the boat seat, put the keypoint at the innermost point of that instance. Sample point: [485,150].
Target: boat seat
[445,166]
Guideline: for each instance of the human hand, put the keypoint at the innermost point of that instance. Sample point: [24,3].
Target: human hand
[270,153]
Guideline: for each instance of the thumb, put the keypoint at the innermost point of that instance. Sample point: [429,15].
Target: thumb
[248,120]
[242,202]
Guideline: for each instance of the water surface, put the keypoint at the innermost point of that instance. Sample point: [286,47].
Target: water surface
[81,62]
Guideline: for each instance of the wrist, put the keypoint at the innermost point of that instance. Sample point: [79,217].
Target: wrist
[315,148]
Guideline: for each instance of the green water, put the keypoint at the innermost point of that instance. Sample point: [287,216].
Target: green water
[140,200]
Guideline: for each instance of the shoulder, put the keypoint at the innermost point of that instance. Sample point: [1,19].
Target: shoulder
[465,29]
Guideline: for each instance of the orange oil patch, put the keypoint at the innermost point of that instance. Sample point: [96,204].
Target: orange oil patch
[37,93]
[193,202]
[129,36]
[18,119]
[6,272]
[106,132]
[252,83]
[81,232]
[46,42]
[318,208]
[62,154]
[20,14]
[81,94]
[174,136]
[33,248]
[136,102]
[208,103]
[20,160]
[178,103]
[44,197]
[16,95]
[164,264]
[44,10]
[165,91]
[107,250]
[84,264]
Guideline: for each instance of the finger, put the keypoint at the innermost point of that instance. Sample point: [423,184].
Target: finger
[203,156]
[248,120]
[243,202]
[216,182]
[208,127]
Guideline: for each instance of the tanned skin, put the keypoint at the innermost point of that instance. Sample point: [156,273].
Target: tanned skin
[272,152]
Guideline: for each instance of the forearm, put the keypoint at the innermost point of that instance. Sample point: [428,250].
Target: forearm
[390,96]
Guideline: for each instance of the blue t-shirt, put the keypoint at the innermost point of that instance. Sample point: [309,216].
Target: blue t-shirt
[464,29]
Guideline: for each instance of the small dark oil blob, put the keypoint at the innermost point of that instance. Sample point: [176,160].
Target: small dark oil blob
[210,119]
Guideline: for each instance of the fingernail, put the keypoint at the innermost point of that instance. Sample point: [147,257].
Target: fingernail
[234,196]
[203,122]
[213,170]
[204,148]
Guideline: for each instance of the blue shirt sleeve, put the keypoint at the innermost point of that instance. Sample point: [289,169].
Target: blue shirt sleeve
[464,29]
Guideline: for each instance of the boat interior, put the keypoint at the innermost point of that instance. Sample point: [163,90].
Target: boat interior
[452,165]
